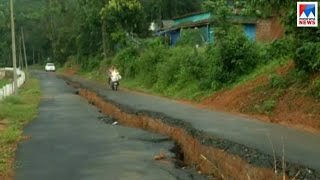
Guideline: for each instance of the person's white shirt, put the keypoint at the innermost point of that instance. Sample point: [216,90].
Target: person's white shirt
[115,76]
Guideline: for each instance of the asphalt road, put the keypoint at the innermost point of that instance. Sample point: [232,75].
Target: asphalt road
[71,140]
[300,147]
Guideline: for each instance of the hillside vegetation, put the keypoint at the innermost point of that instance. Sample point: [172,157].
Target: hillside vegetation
[277,82]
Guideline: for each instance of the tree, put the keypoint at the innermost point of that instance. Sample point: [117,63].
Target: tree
[167,9]
[85,28]
[5,38]
[127,15]
[221,15]
[123,18]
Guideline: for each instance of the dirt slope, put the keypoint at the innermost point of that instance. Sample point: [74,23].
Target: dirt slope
[292,107]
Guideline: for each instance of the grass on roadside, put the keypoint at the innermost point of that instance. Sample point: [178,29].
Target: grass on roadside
[15,112]
[190,92]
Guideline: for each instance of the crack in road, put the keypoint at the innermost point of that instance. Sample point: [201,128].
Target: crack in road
[251,155]
[72,140]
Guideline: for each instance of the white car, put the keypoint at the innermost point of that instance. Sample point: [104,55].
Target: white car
[50,67]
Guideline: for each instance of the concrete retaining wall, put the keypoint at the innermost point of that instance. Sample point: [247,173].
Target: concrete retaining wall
[2,73]
[7,90]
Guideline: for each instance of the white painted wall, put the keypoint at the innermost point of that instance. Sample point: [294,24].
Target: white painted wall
[7,90]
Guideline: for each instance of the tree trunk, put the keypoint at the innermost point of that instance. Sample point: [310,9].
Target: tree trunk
[39,59]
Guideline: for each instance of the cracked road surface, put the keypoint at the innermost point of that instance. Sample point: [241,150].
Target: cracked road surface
[300,147]
[70,140]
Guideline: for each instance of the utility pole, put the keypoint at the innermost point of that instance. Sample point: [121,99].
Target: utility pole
[14,55]
[25,54]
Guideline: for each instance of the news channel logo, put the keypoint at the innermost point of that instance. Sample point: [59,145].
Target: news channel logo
[307,14]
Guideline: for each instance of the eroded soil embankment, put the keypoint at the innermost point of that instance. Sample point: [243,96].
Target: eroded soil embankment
[209,155]
[204,158]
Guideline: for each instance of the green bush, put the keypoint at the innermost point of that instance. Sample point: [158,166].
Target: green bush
[212,70]
[184,69]
[277,81]
[281,48]
[191,65]
[232,57]
[298,76]
[168,70]
[268,106]
[149,60]
[125,61]
[292,77]
[307,57]
[316,89]
[90,64]
[183,66]
[190,37]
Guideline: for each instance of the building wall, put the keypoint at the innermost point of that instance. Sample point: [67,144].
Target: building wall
[265,30]
[208,36]
[269,30]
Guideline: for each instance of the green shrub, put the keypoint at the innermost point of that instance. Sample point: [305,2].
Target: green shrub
[174,70]
[307,57]
[90,64]
[281,48]
[277,81]
[169,69]
[212,70]
[125,61]
[232,57]
[191,37]
[268,106]
[191,66]
[316,89]
[148,61]
[298,76]
[292,77]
